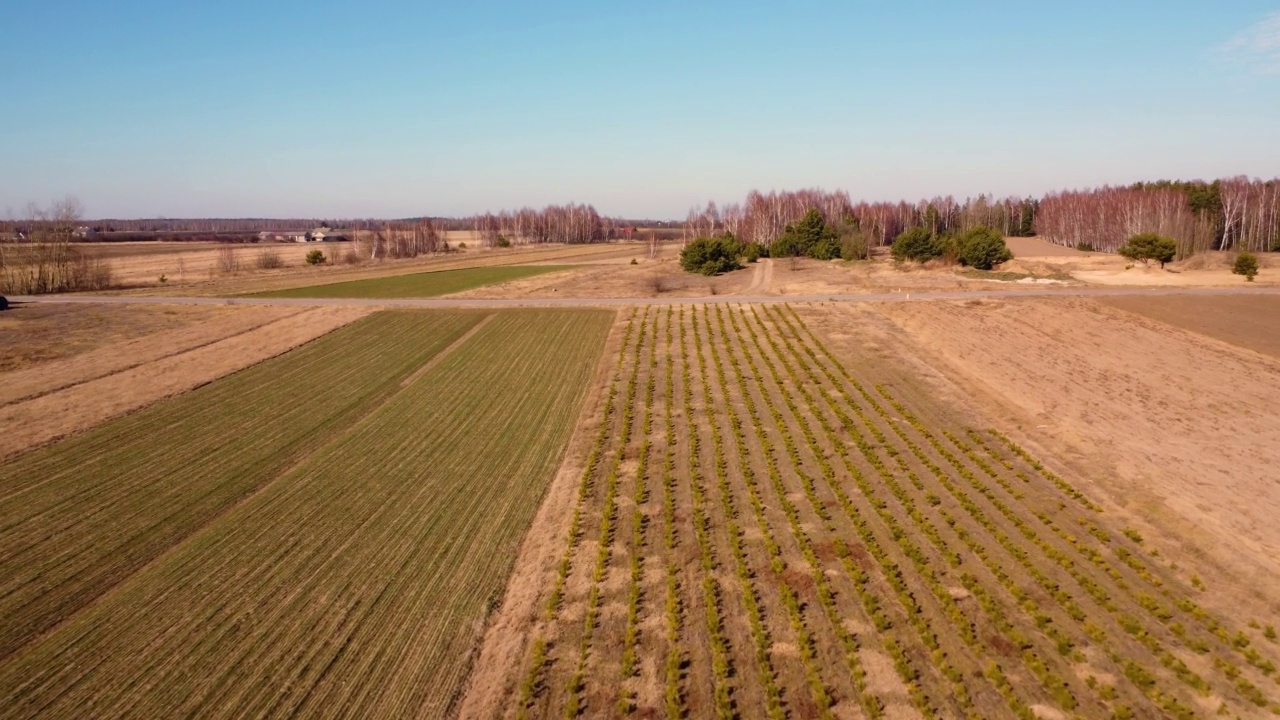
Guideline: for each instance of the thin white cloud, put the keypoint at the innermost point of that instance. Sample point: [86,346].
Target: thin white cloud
[1256,48]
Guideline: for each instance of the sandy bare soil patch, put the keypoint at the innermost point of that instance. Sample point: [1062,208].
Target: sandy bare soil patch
[34,422]
[1177,430]
[1030,247]
[36,333]
[1251,322]
[127,345]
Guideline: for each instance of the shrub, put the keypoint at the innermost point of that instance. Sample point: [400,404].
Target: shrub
[752,252]
[1246,265]
[503,242]
[228,260]
[315,257]
[710,256]
[916,244]
[1085,247]
[269,259]
[982,248]
[854,245]
[1150,246]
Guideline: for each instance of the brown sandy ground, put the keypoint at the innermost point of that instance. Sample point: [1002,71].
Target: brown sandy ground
[47,417]
[1248,322]
[1210,269]
[36,333]
[1178,431]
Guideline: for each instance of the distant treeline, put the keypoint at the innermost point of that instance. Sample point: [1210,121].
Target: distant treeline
[1229,214]
[573,224]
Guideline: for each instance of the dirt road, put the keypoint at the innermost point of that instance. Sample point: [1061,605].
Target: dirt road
[446,302]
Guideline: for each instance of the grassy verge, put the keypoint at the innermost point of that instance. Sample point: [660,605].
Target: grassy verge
[1009,276]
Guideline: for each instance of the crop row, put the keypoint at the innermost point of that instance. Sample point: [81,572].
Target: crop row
[604,543]
[1131,626]
[1037,664]
[626,700]
[673,698]
[961,624]
[1237,642]
[711,596]
[746,576]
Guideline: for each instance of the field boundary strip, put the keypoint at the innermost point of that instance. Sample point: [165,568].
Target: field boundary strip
[445,353]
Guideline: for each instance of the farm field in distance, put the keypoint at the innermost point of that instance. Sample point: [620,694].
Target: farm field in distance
[765,528]
[322,533]
[425,284]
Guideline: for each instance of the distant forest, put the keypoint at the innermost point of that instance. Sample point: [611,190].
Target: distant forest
[1228,214]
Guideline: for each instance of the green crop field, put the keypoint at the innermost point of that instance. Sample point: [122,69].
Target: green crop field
[321,534]
[428,284]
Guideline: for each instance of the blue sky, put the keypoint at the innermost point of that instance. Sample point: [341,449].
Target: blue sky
[391,109]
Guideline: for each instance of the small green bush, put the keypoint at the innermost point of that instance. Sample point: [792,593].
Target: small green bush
[753,252]
[315,257]
[503,242]
[982,248]
[855,245]
[1150,246]
[916,244]
[1246,265]
[711,256]
[1085,247]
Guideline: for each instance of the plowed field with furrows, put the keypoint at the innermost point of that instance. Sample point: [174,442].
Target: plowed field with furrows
[761,530]
[322,534]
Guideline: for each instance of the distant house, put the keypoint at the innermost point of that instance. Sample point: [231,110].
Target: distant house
[324,234]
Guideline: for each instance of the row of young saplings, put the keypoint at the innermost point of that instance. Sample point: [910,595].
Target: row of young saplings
[1168,702]
[1056,687]
[761,640]
[916,614]
[1075,614]
[1238,642]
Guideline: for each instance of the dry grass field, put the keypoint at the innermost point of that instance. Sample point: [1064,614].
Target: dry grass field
[770,524]
[322,534]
